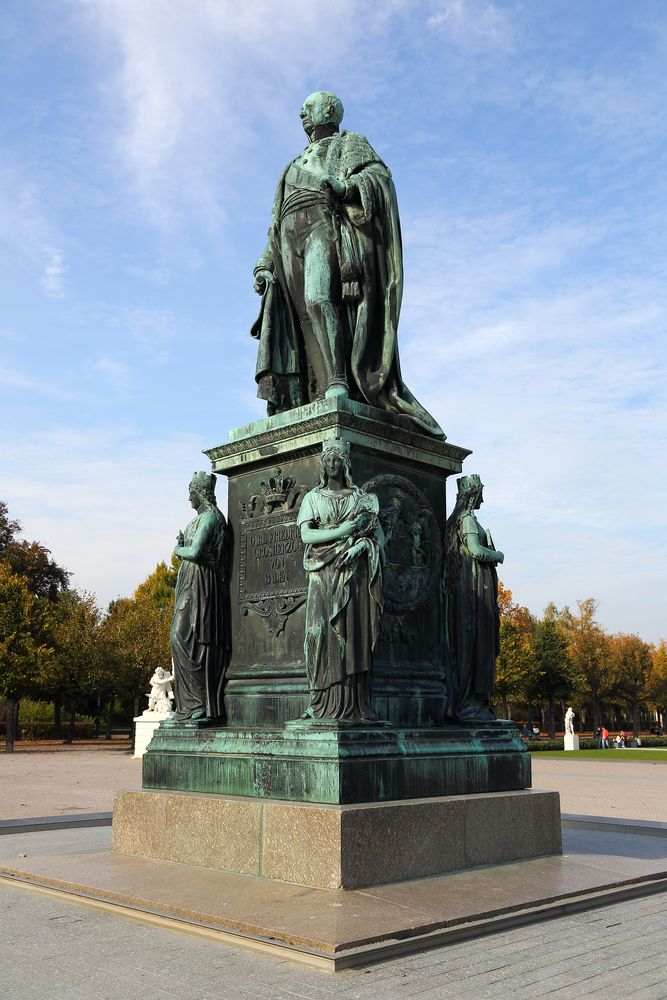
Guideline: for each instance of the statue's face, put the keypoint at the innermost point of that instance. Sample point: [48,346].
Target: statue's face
[333,463]
[315,111]
[194,498]
[479,499]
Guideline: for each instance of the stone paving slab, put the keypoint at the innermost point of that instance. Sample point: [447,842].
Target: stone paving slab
[339,925]
[77,953]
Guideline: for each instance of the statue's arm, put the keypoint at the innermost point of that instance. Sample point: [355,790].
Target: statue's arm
[470,535]
[263,271]
[311,535]
[193,551]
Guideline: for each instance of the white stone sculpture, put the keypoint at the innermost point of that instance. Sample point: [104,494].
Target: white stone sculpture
[161,694]
[570,739]
[160,700]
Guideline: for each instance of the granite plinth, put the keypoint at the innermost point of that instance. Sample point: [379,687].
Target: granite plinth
[337,847]
[338,764]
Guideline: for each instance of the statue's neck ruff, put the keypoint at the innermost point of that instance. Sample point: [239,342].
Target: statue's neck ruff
[323,131]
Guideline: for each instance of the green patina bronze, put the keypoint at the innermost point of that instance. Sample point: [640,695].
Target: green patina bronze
[331,276]
[199,635]
[339,764]
[472,619]
[344,548]
[363,631]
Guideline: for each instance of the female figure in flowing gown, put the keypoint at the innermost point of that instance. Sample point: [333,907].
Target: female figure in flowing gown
[199,634]
[471,607]
[343,557]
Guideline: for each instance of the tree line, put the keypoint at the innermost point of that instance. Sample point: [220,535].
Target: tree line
[566,657]
[57,645]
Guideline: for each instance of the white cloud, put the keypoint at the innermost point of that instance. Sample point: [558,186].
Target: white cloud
[52,280]
[114,503]
[474,26]
[193,84]
[25,231]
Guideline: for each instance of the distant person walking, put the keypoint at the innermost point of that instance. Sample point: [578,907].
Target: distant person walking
[604,738]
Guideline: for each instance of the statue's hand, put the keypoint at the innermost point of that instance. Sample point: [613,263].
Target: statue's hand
[338,188]
[348,527]
[180,538]
[262,279]
[351,554]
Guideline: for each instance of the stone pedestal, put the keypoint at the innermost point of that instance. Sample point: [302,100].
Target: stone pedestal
[571,741]
[144,727]
[337,847]
[270,465]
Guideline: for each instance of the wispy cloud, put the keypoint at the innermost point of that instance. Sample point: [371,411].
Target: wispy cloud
[26,231]
[114,503]
[474,26]
[52,280]
[193,83]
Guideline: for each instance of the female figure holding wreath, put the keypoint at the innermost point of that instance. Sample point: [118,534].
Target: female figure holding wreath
[343,557]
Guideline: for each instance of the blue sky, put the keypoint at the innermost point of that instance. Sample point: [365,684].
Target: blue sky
[141,141]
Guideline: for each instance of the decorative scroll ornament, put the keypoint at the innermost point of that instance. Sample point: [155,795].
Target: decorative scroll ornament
[274,610]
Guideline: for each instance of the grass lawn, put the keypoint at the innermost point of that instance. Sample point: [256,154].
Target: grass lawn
[624,755]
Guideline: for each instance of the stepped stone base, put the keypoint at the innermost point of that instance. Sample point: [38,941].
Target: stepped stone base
[337,847]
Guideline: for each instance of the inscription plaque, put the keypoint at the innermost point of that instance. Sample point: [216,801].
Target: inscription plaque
[272,580]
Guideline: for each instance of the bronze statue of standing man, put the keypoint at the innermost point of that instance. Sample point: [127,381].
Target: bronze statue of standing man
[331,276]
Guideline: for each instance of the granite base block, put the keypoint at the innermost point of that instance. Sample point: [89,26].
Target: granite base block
[337,846]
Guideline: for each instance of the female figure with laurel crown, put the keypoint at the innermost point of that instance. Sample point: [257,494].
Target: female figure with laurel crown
[343,558]
[200,627]
[471,607]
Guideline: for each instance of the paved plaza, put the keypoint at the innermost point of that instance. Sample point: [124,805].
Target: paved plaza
[52,947]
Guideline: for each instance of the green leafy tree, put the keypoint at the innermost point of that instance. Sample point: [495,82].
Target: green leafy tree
[657,686]
[74,669]
[594,670]
[516,666]
[633,662]
[22,655]
[552,681]
[44,577]
[136,631]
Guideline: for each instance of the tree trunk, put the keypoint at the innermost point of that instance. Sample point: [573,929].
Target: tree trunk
[550,720]
[72,717]
[596,713]
[506,708]
[98,712]
[635,720]
[12,722]
[110,718]
[58,717]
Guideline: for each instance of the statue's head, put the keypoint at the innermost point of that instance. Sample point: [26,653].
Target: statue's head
[202,489]
[335,456]
[470,492]
[321,108]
